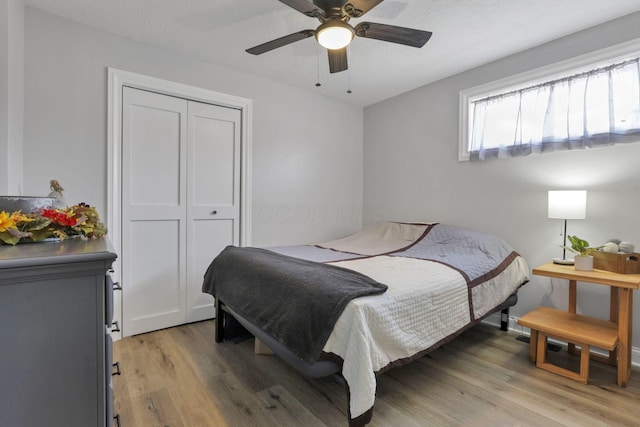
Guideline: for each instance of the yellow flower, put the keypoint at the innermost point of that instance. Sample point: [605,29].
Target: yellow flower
[6,221]
[18,216]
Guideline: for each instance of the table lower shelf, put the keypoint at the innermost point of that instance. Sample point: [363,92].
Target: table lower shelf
[576,329]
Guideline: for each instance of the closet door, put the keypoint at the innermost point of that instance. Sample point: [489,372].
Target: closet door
[154,197]
[213,196]
[180,205]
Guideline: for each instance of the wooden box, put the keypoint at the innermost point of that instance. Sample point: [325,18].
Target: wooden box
[617,262]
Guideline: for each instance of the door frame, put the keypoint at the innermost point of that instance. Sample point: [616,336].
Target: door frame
[117,79]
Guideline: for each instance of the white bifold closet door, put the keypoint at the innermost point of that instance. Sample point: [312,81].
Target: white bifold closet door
[180,205]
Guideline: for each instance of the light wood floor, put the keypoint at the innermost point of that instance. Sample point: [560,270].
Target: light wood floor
[180,377]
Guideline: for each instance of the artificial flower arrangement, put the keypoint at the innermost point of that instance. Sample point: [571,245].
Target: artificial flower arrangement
[77,220]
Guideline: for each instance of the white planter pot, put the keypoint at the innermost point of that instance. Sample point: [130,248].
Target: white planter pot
[584,263]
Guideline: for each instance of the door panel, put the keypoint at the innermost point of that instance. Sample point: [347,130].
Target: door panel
[154,156]
[153,211]
[213,162]
[157,292]
[213,197]
[208,239]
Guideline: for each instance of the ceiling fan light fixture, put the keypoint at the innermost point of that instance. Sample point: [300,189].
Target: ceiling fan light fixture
[334,34]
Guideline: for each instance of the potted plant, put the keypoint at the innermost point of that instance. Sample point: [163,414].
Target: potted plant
[583,259]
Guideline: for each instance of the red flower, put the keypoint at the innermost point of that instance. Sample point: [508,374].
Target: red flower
[58,217]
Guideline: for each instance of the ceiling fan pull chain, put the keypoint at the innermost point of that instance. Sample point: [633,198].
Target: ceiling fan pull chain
[349,72]
[318,84]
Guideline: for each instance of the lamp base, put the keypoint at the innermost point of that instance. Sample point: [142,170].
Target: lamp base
[563,261]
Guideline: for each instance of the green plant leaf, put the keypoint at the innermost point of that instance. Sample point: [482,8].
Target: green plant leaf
[8,238]
[580,246]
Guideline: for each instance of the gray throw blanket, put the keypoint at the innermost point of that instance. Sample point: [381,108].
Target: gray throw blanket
[294,300]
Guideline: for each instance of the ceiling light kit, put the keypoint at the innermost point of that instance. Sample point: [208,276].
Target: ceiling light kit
[335,33]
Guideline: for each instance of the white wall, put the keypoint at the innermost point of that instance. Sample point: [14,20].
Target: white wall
[11,95]
[307,176]
[411,172]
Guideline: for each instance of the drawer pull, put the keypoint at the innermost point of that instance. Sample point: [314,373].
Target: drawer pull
[116,420]
[116,286]
[116,366]
[115,327]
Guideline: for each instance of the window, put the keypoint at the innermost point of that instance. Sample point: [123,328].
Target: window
[567,106]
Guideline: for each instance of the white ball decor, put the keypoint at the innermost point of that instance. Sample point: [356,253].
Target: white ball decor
[626,247]
[610,247]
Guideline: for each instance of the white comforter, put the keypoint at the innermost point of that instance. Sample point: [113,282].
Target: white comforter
[426,302]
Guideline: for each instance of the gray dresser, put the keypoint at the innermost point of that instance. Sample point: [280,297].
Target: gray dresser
[56,305]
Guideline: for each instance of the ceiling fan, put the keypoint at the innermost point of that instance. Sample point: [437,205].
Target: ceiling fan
[335,32]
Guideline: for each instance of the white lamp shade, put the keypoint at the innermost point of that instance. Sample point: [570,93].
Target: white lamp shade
[334,35]
[568,204]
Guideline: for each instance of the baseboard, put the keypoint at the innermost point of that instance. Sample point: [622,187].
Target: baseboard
[494,320]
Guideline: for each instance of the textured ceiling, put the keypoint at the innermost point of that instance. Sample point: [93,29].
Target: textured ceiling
[466,33]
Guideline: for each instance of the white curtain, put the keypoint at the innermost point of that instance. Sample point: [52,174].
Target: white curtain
[594,108]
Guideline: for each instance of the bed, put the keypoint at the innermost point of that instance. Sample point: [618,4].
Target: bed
[360,305]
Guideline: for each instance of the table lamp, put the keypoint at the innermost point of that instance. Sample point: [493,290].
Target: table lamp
[567,204]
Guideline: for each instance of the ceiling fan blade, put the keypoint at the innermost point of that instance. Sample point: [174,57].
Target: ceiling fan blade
[391,33]
[357,8]
[337,60]
[282,41]
[304,6]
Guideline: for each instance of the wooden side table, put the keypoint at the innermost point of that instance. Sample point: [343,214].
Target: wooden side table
[620,307]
